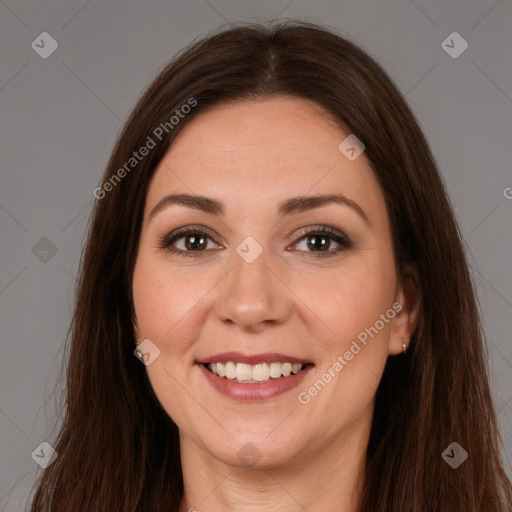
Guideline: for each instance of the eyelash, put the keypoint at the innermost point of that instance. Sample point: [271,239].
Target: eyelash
[166,242]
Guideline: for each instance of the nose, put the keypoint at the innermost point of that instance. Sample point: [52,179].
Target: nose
[253,295]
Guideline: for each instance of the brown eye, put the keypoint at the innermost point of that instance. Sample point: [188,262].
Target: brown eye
[319,242]
[187,241]
[195,241]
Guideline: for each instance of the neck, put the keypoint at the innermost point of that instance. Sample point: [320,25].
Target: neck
[325,476]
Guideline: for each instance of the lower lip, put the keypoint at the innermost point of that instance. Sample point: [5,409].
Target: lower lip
[252,391]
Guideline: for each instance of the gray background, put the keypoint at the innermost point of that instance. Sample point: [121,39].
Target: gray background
[60,117]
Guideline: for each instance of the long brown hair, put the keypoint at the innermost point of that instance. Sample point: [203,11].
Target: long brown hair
[118,449]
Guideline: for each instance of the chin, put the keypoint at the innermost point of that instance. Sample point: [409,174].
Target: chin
[253,451]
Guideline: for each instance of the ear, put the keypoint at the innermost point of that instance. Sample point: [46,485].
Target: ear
[402,326]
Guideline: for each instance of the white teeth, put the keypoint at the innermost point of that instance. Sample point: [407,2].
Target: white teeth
[221,369]
[287,369]
[260,372]
[296,367]
[275,370]
[230,370]
[242,372]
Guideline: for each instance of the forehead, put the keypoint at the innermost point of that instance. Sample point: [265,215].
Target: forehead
[269,150]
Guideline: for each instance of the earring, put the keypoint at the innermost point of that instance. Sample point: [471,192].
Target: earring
[403,345]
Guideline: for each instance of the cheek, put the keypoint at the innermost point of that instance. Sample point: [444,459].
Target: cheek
[163,303]
[352,298]
[355,350]
[162,299]
[364,322]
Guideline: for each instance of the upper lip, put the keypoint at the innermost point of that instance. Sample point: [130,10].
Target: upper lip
[265,357]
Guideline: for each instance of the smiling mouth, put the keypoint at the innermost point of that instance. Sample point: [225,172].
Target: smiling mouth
[257,373]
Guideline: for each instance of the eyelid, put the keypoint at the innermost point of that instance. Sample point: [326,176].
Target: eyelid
[322,229]
[190,229]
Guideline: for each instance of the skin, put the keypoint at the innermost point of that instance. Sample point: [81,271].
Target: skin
[251,156]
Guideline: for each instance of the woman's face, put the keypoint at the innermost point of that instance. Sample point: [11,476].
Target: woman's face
[252,283]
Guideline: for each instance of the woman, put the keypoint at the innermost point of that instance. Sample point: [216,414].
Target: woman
[273,242]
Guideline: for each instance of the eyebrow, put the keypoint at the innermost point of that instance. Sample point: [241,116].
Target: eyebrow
[290,206]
